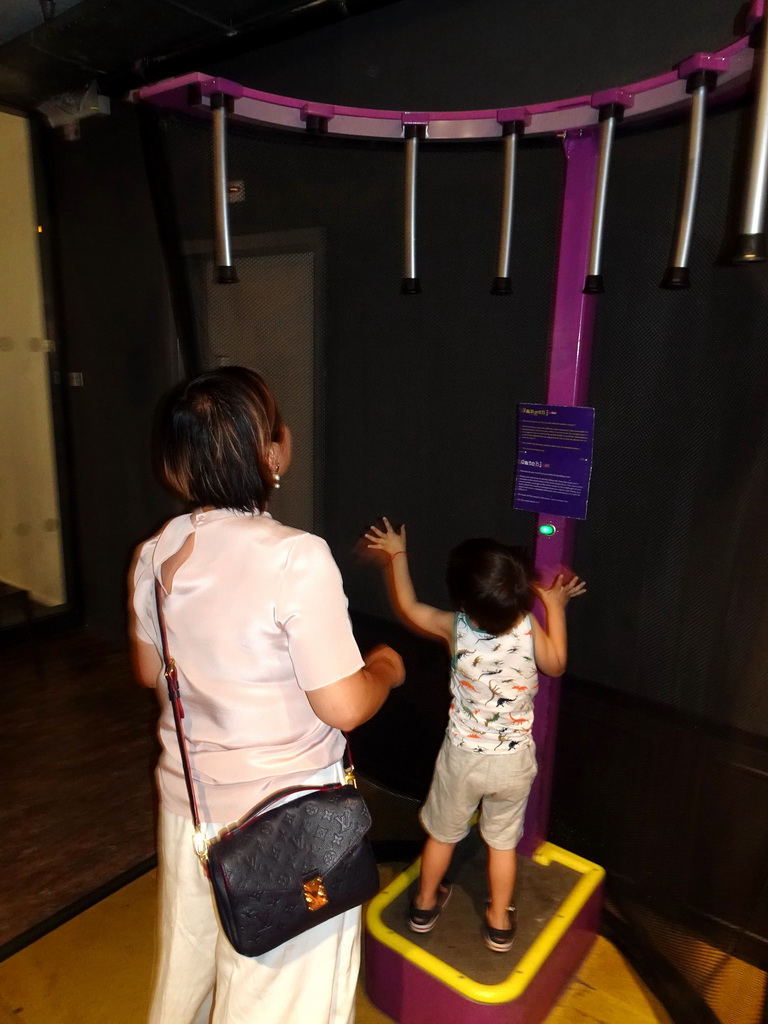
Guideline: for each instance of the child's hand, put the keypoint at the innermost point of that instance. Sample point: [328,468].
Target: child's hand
[387,541]
[560,593]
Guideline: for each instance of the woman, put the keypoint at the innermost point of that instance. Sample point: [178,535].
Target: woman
[269,673]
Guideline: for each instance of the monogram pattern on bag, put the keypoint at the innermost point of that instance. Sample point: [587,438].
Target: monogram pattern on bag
[260,886]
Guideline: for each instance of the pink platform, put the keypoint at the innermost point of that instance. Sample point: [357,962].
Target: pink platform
[407,980]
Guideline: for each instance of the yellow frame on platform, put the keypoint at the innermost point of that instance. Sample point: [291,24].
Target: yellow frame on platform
[529,965]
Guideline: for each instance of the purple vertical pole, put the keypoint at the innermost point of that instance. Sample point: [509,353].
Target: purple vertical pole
[568,377]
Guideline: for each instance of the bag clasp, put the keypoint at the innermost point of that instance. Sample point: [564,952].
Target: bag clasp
[314,893]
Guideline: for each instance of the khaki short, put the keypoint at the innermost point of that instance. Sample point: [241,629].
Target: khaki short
[498,783]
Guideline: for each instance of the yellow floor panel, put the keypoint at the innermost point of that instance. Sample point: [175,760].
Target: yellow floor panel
[734,989]
[95,969]
[606,989]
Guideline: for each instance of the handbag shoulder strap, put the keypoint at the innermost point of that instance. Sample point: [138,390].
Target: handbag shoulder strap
[171,678]
[174,695]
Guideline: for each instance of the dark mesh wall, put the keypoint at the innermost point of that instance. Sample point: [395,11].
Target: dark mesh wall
[420,398]
[269,321]
[456,55]
[673,545]
[420,392]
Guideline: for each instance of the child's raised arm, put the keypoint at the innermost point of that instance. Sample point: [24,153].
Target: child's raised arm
[550,645]
[421,617]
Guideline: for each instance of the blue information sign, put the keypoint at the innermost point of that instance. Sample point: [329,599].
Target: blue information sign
[554,459]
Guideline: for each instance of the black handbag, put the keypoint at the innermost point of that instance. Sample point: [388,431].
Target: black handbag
[276,873]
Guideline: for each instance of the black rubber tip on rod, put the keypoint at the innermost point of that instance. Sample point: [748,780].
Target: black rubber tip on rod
[194,95]
[226,275]
[410,286]
[610,110]
[316,124]
[593,285]
[219,100]
[676,278]
[501,286]
[513,128]
[701,77]
[749,249]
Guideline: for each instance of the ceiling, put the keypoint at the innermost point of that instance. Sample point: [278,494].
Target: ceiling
[19,16]
[111,46]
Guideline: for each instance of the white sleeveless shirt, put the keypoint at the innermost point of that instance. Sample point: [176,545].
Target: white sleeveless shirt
[493,684]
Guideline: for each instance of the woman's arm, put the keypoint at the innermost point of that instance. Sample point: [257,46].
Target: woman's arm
[419,616]
[145,661]
[550,644]
[351,701]
[312,609]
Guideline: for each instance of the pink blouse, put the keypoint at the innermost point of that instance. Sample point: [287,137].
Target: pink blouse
[256,616]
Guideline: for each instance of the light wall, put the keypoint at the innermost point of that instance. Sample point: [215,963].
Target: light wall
[30,533]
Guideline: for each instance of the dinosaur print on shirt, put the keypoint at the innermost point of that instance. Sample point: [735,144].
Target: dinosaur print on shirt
[493,685]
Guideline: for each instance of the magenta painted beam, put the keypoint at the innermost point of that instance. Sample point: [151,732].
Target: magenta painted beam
[652,98]
[567,382]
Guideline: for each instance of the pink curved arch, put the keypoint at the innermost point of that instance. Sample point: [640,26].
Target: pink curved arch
[654,97]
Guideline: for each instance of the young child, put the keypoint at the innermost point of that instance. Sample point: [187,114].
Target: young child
[488,757]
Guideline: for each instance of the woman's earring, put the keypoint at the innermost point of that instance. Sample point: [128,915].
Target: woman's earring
[276,478]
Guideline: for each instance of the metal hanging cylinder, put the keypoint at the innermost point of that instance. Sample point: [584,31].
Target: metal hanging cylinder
[511,130]
[610,114]
[677,274]
[412,134]
[750,242]
[221,105]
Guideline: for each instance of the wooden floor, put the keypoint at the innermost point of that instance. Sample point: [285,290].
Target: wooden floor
[78,745]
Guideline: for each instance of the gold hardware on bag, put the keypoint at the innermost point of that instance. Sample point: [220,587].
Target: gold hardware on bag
[349,776]
[200,843]
[314,893]
[170,668]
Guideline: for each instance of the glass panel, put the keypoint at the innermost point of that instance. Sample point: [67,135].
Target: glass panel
[30,526]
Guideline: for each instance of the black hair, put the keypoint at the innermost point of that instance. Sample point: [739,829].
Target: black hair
[491,583]
[215,432]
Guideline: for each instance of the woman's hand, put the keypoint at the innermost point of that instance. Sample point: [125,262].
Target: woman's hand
[558,594]
[351,701]
[387,664]
[388,541]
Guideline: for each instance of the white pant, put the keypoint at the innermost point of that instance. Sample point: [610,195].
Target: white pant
[309,980]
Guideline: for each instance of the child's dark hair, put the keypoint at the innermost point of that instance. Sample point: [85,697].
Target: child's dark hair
[491,583]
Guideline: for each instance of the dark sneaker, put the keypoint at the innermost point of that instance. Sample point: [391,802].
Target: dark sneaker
[500,940]
[425,920]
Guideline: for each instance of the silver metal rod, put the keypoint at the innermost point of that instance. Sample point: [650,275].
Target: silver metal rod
[682,248]
[223,248]
[598,215]
[505,243]
[411,155]
[753,214]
